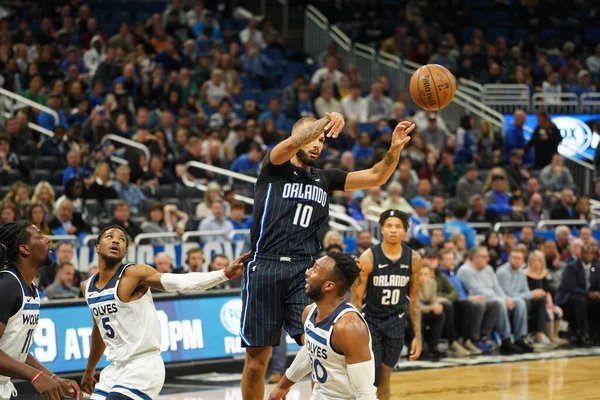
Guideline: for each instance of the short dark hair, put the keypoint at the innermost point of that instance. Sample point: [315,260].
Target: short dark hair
[333,248]
[404,217]
[345,271]
[218,256]
[12,235]
[62,266]
[107,228]
[461,211]
[236,204]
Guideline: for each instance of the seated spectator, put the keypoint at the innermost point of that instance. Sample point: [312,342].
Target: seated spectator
[326,103]
[126,190]
[458,224]
[460,247]
[76,192]
[432,311]
[579,295]
[93,57]
[429,170]
[489,146]
[157,172]
[162,263]
[585,234]
[212,194]
[552,85]
[468,185]
[215,89]
[9,212]
[63,287]
[421,206]
[514,136]
[556,176]
[437,238]
[513,281]
[379,106]
[46,120]
[450,172]
[479,212]
[437,213]
[535,211]
[394,199]
[101,188]
[35,93]
[224,117]
[19,194]
[156,222]
[220,262]
[362,150]
[207,28]
[43,194]
[466,142]
[238,216]
[249,163]
[9,160]
[66,221]
[446,296]
[304,107]
[545,140]
[582,209]
[497,192]
[562,234]
[565,209]
[373,199]
[194,260]
[56,145]
[477,314]
[583,84]
[121,217]
[75,169]
[515,172]
[346,200]
[442,57]
[275,114]
[216,222]
[256,65]
[36,214]
[65,251]
[354,106]
[79,115]
[329,73]
[479,278]
[537,279]
[251,32]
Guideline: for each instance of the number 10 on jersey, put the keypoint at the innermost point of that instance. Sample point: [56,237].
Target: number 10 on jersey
[303,215]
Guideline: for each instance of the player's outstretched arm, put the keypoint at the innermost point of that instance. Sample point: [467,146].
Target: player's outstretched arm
[332,123]
[414,308]
[186,283]
[97,348]
[351,338]
[365,263]
[381,172]
[300,367]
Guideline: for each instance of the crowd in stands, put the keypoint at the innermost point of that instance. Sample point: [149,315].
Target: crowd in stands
[221,87]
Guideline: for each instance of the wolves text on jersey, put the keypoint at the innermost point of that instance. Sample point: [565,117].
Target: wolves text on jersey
[305,192]
[391,280]
[31,319]
[316,350]
[104,309]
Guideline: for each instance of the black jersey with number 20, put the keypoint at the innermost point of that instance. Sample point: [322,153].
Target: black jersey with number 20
[290,205]
[387,289]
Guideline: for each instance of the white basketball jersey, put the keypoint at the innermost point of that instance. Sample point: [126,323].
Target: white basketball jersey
[129,330]
[329,370]
[20,328]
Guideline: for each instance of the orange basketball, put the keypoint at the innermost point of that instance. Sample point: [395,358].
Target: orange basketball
[432,87]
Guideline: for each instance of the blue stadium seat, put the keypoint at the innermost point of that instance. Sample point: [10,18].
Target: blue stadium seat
[350,244]
[274,54]
[165,191]
[38,175]
[268,95]
[296,68]
[592,35]
[287,80]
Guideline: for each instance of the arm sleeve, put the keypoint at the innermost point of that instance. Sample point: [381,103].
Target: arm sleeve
[300,366]
[10,297]
[336,178]
[192,282]
[497,288]
[361,377]
[504,282]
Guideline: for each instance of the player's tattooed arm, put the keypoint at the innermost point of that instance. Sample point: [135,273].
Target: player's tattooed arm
[414,307]
[365,263]
[331,124]
[380,173]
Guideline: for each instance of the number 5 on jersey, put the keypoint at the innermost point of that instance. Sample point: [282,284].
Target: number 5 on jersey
[110,332]
[303,215]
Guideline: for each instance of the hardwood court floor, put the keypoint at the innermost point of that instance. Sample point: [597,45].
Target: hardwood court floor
[553,379]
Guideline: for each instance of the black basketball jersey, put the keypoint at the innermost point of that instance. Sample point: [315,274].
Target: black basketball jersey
[290,205]
[387,288]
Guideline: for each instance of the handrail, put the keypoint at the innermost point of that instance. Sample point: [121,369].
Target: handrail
[88,239]
[473,225]
[581,163]
[480,109]
[128,142]
[230,234]
[222,171]
[138,239]
[411,65]
[516,224]
[472,84]
[364,50]
[317,17]
[188,182]
[594,222]
[556,222]
[62,237]
[34,126]
[388,59]
[31,104]
[340,38]
[346,218]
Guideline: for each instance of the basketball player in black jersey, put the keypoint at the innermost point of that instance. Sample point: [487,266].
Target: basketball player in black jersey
[291,203]
[388,283]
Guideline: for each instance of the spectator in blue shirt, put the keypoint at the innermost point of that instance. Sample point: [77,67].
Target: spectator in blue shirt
[497,198]
[363,150]
[255,63]
[97,98]
[458,224]
[79,115]
[275,114]
[249,163]
[75,170]
[46,120]
[207,29]
[130,192]
[466,142]
[237,215]
[583,84]
[128,79]
[55,145]
[514,137]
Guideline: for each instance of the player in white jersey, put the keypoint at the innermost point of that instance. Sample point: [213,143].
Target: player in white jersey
[125,319]
[337,345]
[23,252]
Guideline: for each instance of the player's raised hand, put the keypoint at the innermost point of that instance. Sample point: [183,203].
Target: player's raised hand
[400,136]
[236,267]
[88,382]
[335,125]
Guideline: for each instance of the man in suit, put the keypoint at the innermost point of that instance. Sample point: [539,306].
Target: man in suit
[578,298]
[564,210]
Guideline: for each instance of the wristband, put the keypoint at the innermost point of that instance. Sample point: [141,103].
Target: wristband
[53,375]
[36,376]
[226,275]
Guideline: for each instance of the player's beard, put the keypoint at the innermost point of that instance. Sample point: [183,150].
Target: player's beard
[111,261]
[305,159]
[315,292]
